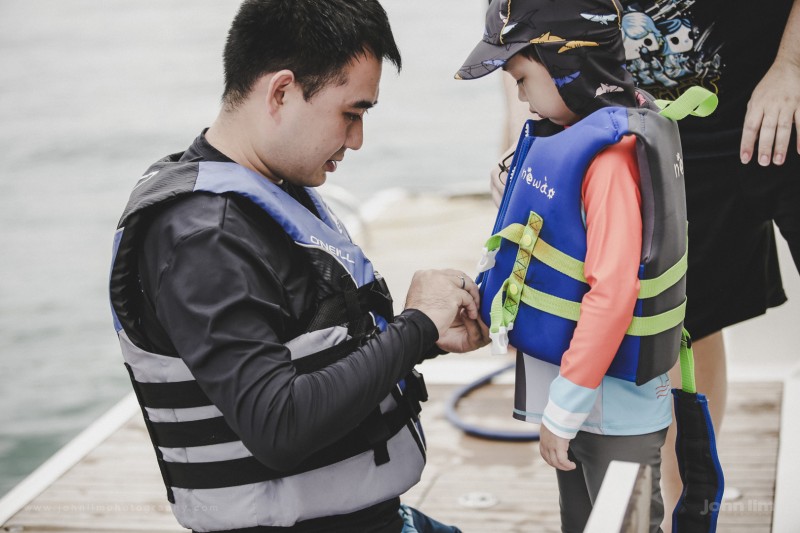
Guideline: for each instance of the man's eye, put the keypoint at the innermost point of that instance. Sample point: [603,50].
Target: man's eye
[353,117]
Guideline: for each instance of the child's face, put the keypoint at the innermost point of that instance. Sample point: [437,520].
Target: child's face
[536,87]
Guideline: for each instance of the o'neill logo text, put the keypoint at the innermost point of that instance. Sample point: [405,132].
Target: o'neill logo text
[540,185]
[332,250]
[678,166]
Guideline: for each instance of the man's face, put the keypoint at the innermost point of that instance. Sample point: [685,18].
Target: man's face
[316,133]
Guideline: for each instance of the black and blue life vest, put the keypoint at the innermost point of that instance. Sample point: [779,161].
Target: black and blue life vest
[532,279]
[213,481]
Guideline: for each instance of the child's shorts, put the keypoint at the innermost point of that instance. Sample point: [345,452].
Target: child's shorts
[733,264]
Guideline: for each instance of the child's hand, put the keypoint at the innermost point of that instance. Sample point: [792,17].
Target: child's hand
[554,449]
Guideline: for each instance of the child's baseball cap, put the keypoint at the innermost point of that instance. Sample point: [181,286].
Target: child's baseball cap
[578,41]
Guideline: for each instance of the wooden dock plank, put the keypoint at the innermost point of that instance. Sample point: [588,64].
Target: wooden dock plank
[117,486]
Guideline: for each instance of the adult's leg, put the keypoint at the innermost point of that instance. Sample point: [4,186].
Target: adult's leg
[792,237]
[787,213]
[733,276]
[711,377]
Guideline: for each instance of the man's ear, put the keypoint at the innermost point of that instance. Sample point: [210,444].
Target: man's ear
[277,87]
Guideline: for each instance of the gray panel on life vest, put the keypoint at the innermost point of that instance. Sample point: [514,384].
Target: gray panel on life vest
[316,341]
[661,166]
[664,224]
[184,414]
[343,487]
[148,367]
[225,451]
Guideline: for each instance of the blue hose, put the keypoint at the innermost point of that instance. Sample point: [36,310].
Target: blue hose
[483,433]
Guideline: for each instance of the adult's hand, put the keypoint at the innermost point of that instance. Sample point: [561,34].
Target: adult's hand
[774,106]
[450,299]
[773,109]
[464,335]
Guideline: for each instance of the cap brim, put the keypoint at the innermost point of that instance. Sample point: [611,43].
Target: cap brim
[486,58]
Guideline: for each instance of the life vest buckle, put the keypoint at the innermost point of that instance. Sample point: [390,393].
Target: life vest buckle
[500,339]
[415,387]
[487,259]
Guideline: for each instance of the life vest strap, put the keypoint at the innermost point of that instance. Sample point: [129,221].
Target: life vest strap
[352,305]
[247,470]
[503,316]
[175,395]
[505,304]
[516,282]
[643,326]
[149,425]
[648,288]
[687,364]
[640,326]
[695,101]
[543,251]
[192,433]
[569,266]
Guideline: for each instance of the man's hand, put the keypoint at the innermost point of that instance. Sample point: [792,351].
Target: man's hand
[773,109]
[464,335]
[554,449]
[450,299]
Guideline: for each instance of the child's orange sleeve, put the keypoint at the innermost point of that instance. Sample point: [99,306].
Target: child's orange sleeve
[612,201]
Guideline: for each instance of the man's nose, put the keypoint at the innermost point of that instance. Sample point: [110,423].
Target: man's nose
[355,135]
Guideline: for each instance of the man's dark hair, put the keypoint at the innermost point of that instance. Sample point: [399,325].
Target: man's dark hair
[315,39]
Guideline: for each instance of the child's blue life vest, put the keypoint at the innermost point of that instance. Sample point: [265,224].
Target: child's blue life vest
[532,278]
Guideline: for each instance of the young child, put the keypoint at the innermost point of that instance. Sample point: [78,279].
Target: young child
[591,216]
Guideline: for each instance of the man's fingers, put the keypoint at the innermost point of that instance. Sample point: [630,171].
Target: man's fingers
[464,282]
[782,135]
[473,333]
[442,294]
[469,304]
[797,128]
[472,289]
[766,139]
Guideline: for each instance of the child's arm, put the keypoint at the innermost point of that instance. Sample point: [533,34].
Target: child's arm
[614,243]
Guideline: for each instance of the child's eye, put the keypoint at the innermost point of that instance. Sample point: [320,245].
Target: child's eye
[519,82]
